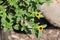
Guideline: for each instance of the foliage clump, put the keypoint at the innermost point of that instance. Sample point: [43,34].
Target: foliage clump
[21,15]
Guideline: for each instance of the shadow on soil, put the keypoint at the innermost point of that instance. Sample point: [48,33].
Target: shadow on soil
[49,26]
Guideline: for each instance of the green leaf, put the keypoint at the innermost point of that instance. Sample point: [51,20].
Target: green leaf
[12,2]
[41,16]
[10,16]
[45,25]
[19,12]
[41,1]
[48,2]
[32,15]
[27,30]
[16,27]
[27,2]
[4,15]
[30,9]
[38,5]
[3,21]
[1,1]
[31,24]
[23,27]
[18,19]
[36,33]
[33,0]
[32,19]
[3,9]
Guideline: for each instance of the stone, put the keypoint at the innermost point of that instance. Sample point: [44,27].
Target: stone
[51,12]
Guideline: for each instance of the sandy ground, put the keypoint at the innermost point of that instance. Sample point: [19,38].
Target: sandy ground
[48,34]
[51,34]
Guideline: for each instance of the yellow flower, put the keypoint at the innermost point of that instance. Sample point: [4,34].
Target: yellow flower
[40,28]
[37,14]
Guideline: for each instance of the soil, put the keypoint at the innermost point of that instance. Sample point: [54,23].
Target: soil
[51,34]
[47,34]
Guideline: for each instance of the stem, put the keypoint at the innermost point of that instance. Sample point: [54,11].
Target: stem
[40,33]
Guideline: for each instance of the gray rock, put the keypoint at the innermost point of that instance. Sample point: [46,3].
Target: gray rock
[52,13]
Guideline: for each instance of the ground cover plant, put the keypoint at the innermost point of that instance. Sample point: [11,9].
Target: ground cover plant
[22,15]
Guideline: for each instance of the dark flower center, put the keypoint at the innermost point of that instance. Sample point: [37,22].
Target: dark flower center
[37,14]
[40,28]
